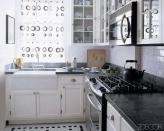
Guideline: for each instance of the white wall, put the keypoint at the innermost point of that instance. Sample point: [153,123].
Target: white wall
[7,52]
[119,54]
[152,60]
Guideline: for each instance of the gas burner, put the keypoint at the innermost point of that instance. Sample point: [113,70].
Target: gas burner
[116,84]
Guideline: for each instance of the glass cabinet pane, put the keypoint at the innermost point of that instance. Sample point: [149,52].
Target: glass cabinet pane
[88,37]
[150,15]
[83,21]
[88,12]
[78,12]
[88,25]
[88,2]
[78,37]
[154,18]
[78,26]
[78,2]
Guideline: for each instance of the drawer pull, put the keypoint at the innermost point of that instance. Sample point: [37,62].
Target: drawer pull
[112,117]
[73,80]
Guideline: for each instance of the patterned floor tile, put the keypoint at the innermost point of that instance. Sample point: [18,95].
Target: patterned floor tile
[48,127]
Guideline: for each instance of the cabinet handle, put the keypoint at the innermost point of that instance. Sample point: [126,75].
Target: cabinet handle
[36,93]
[112,117]
[73,80]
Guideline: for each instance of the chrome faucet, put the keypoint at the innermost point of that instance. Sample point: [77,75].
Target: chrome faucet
[37,56]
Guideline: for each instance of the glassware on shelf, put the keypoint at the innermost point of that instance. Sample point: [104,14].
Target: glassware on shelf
[88,2]
[78,2]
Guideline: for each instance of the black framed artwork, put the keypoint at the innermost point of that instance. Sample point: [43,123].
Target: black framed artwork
[10,30]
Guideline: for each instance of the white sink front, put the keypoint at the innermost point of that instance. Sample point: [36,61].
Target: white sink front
[35,72]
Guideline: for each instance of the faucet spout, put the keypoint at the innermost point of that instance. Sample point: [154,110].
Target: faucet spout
[37,57]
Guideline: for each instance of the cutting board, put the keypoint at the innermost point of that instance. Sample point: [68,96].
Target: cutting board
[95,58]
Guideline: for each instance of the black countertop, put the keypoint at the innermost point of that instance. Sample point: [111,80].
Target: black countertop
[144,112]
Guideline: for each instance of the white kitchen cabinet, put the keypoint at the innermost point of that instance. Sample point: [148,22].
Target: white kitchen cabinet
[72,88]
[115,122]
[125,126]
[44,97]
[72,101]
[151,22]
[32,97]
[113,117]
[23,105]
[83,21]
[48,104]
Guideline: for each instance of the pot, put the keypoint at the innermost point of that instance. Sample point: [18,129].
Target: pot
[132,74]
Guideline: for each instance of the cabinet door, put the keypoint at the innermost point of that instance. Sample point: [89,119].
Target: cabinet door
[114,118]
[48,104]
[23,105]
[125,126]
[109,126]
[151,21]
[72,101]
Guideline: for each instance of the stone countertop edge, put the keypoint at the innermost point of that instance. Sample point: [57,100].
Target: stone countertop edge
[130,122]
[9,72]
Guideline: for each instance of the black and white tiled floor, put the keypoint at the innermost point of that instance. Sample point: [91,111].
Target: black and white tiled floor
[48,127]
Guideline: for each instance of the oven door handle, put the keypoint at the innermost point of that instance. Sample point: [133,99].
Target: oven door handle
[89,95]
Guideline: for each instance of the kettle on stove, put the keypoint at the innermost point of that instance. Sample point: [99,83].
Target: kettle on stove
[132,74]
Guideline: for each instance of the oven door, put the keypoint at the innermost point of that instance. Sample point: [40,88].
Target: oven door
[95,112]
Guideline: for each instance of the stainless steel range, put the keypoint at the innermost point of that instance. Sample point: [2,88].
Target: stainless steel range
[99,86]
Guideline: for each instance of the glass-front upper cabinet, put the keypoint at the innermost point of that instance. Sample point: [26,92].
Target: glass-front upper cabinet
[151,21]
[83,21]
[103,20]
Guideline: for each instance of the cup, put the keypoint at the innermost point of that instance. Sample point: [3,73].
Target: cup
[18,62]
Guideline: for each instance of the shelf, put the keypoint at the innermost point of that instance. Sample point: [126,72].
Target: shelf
[78,31]
[88,18]
[83,31]
[78,18]
[78,5]
[88,31]
[83,18]
[88,6]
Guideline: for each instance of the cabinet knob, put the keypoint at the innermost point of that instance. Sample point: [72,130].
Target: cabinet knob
[112,117]
[73,80]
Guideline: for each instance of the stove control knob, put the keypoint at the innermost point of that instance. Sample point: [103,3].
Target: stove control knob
[93,80]
[102,89]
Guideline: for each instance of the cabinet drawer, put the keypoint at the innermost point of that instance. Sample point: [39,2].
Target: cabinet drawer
[113,117]
[71,79]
